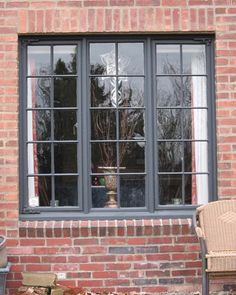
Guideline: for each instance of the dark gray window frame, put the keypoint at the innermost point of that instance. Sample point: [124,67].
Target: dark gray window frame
[153,209]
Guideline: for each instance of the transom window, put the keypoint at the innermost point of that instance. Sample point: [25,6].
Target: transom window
[116,125]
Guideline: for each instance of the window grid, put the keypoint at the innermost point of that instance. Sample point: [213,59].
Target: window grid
[117,141]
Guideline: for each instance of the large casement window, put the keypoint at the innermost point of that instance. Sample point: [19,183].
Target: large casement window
[116,126]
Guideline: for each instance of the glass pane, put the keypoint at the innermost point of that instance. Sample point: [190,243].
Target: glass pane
[39,125]
[194,59]
[194,92]
[38,92]
[169,124]
[132,157]
[102,59]
[130,58]
[66,191]
[170,189]
[39,158]
[195,157]
[65,125]
[65,92]
[169,91]
[132,191]
[103,124]
[196,189]
[65,158]
[131,92]
[103,156]
[131,124]
[104,190]
[38,60]
[195,124]
[170,156]
[168,59]
[39,191]
[64,59]
[102,92]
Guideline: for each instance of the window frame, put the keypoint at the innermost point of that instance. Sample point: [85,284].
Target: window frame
[153,207]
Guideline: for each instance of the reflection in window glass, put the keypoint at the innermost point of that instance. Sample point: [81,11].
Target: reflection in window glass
[131,92]
[170,189]
[41,163]
[194,92]
[132,157]
[65,125]
[65,92]
[168,59]
[39,188]
[169,91]
[102,59]
[130,58]
[39,125]
[65,158]
[66,190]
[194,59]
[132,191]
[103,125]
[38,60]
[64,59]
[170,155]
[169,123]
[38,92]
[101,89]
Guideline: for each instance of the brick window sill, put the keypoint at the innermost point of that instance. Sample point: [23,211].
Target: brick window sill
[100,228]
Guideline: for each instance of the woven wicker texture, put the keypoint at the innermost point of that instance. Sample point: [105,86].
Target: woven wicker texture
[217,225]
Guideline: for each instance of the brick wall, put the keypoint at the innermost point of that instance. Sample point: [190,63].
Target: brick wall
[111,16]
[123,256]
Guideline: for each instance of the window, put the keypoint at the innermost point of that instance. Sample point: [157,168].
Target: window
[115,124]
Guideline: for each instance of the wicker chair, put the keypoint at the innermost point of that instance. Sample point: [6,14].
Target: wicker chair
[216,229]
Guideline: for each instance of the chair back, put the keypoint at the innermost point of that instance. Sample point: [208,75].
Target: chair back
[217,221]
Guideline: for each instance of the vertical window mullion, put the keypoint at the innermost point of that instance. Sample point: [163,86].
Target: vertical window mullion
[85,127]
[117,129]
[79,124]
[52,131]
[150,134]
[182,125]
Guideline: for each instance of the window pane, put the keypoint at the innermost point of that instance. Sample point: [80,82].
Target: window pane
[131,124]
[103,155]
[39,60]
[104,190]
[194,92]
[64,92]
[39,190]
[195,157]
[103,124]
[195,124]
[130,58]
[102,59]
[65,158]
[131,92]
[39,125]
[169,91]
[102,92]
[39,158]
[168,59]
[170,189]
[65,125]
[66,190]
[170,156]
[198,193]
[132,191]
[194,59]
[132,157]
[64,59]
[38,92]
[169,124]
